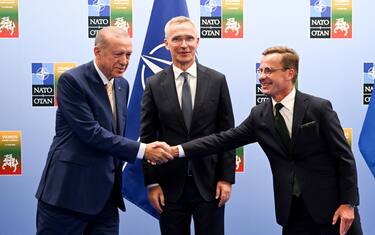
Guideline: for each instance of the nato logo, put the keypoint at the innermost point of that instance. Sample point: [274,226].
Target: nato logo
[210,7]
[320,8]
[43,79]
[368,81]
[320,18]
[259,96]
[210,21]
[152,62]
[99,16]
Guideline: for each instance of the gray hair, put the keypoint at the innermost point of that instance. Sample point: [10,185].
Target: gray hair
[177,20]
[102,35]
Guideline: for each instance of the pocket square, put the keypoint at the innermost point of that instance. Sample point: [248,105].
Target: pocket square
[307,124]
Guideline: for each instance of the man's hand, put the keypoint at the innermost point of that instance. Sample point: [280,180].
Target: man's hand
[223,190]
[346,214]
[156,197]
[158,152]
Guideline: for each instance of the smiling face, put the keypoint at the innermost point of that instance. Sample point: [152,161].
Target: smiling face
[278,81]
[112,54]
[182,41]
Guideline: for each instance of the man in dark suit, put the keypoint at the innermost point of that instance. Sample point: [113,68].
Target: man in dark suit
[185,101]
[313,168]
[80,189]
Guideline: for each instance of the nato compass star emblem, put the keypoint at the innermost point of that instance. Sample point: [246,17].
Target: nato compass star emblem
[99,5]
[320,6]
[210,5]
[371,72]
[42,73]
[152,63]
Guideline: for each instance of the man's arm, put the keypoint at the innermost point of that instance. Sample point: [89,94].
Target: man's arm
[227,159]
[340,149]
[148,131]
[78,114]
[225,119]
[220,142]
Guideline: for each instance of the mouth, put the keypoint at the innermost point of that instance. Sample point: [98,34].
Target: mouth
[184,53]
[122,68]
[265,85]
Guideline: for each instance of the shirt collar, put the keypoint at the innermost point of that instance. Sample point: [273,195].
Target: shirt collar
[101,75]
[192,70]
[288,101]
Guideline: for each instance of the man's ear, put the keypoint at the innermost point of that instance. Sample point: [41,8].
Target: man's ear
[291,73]
[166,44]
[96,51]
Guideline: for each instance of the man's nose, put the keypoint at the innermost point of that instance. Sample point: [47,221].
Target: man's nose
[183,43]
[124,60]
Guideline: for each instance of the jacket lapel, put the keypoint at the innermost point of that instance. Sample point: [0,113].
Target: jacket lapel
[300,107]
[201,91]
[120,104]
[100,91]
[169,85]
[269,122]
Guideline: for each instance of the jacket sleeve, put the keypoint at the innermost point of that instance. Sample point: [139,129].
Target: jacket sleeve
[227,160]
[74,106]
[340,150]
[148,132]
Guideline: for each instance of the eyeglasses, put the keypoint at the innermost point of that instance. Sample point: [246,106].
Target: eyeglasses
[268,71]
[180,39]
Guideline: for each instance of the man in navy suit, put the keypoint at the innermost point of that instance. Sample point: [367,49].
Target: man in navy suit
[80,189]
[313,168]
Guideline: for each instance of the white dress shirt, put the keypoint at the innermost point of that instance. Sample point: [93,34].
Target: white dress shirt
[192,79]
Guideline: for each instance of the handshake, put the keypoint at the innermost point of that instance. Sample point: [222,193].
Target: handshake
[160,152]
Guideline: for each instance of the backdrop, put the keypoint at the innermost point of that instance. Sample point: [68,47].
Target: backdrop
[57,31]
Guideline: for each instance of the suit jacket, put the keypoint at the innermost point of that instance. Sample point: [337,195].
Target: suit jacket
[162,119]
[319,156]
[85,159]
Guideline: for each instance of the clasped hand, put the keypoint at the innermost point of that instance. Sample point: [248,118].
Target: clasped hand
[160,152]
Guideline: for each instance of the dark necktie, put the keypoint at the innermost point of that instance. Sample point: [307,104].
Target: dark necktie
[284,134]
[187,110]
[281,126]
[186,102]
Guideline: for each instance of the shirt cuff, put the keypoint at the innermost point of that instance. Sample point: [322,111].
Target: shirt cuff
[141,150]
[181,152]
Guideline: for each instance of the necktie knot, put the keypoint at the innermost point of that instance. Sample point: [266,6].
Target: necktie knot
[109,88]
[184,75]
[278,106]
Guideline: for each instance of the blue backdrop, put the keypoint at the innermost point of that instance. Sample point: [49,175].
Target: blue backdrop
[56,31]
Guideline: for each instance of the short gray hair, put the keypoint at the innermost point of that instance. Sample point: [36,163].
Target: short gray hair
[102,35]
[177,20]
